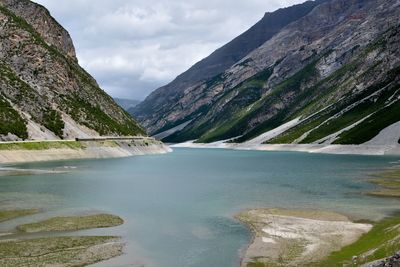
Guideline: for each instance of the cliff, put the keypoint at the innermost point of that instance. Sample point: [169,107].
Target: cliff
[45,94]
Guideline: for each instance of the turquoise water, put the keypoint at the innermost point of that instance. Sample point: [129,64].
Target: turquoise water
[179,207]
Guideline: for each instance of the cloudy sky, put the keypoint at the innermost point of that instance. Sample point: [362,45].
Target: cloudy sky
[134,46]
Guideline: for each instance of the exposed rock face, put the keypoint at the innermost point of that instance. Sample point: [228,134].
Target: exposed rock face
[336,70]
[41,20]
[45,94]
[393,261]
[161,100]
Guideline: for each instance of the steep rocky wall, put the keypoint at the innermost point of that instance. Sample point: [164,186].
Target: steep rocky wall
[41,20]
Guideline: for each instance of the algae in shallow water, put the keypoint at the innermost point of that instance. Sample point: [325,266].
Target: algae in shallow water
[389,183]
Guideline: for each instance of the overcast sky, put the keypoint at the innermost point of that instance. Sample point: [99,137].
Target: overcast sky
[134,46]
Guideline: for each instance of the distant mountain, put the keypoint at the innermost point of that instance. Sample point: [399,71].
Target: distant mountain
[330,76]
[126,104]
[153,111]
[44,93]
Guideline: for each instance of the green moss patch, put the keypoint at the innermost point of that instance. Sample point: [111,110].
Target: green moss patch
[72,223]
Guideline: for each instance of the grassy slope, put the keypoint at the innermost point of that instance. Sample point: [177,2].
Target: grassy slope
[41,145]
[371,127]
[382,241]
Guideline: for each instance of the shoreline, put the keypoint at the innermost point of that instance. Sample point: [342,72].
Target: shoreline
[70,150]
[285,237]
[371,150]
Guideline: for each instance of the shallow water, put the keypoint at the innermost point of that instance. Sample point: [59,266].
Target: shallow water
[179,207]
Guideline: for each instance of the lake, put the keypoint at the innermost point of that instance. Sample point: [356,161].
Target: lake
[178,208]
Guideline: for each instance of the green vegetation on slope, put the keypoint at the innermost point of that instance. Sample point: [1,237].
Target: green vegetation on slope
[95,118]
[302,95]
[11,121]
[371,127]
[352,116]
[52,120]
[355,114]
[382,241]
[44,145]
[229,121]
[237,101]
[28,98]
[238,113]
[287,89]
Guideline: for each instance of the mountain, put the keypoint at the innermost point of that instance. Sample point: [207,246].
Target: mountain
[150,111]
[45,94]
[125,103]
[331,76]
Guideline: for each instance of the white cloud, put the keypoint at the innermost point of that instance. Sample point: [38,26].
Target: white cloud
[134,46]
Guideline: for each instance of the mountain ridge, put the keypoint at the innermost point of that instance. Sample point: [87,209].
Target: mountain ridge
[220,60]
[335,70]
[45,94]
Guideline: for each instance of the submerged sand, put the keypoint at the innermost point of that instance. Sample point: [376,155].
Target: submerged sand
[297,237]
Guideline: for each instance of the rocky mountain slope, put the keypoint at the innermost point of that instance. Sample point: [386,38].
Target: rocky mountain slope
[161,100]
[44,93]
[332,76]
